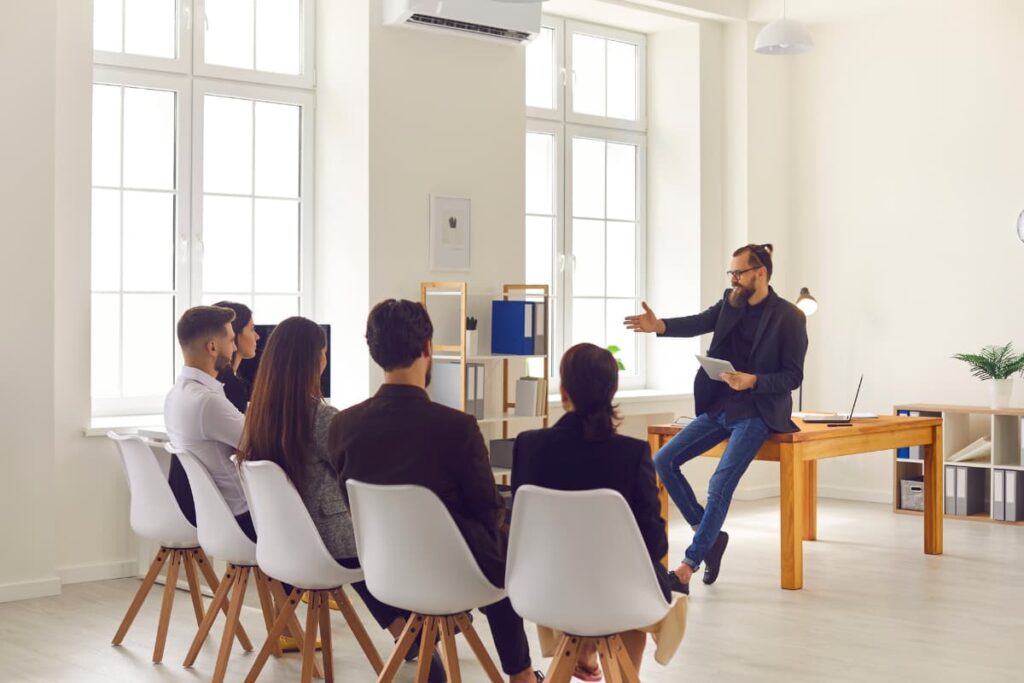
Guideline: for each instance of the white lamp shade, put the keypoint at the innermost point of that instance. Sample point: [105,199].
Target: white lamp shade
[809,306]
[783,37]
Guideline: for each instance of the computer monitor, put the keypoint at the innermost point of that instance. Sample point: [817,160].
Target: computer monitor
[247,368]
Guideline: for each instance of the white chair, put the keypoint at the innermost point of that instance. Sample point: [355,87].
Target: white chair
[399,525]
[155,516]
[552,578]
[221,537]
[289,548]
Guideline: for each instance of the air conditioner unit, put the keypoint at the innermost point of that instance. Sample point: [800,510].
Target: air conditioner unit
[514,22]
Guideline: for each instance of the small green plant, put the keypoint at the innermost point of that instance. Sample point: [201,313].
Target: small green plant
[614,350]
[993,362]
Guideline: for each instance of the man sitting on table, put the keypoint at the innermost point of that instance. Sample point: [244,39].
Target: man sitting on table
[765,339]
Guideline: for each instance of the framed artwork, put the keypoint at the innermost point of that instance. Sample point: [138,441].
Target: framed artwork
[450,223]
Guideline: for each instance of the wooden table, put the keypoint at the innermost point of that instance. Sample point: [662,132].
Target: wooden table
[798,455]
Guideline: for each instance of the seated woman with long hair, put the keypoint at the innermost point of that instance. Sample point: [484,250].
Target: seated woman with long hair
[287,423]
[582,451]
[236,388]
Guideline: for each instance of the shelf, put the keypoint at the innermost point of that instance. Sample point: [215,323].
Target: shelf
[509,416]
[483,358]
[954,409]
[969,463]
[913,460]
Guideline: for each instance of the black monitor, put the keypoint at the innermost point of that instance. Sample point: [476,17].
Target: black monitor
[247,368]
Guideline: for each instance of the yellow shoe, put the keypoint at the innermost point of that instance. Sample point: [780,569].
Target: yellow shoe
[331,602]
[289,644]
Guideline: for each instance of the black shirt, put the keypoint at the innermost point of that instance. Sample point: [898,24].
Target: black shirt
[236,388]
[739,405]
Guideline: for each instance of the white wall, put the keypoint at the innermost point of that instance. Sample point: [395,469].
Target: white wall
[906,154]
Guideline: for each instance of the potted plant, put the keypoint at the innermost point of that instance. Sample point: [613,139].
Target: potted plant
[999,364]
[472,343]
[614,350]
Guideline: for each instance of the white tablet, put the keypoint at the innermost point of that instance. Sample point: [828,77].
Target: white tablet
[715,366]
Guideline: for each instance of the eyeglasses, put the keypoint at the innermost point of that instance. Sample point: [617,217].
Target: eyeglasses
[736,273]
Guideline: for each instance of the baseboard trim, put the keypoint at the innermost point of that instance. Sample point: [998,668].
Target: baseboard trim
[99,571]
[26,590]
[860,495]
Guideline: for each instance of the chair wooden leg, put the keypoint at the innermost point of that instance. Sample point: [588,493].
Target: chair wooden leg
[266,605]
[140,595]
[284,615]
[165,609]
[189,562]
[564,661]
[619,652]
[612,672]
[231,624]
[413,625]
[327,649]
[309,646]
[478,648]
[449,652]
[355,624]
[426,649]
[211,615]
[293,627]
[206,567]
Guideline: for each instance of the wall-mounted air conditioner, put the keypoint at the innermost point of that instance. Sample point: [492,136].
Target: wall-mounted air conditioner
[513,22]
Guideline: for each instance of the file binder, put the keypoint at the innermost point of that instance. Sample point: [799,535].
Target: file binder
[998,487]
[950,506]
[475,390]
[512,329]
[970,490]
[1014,496]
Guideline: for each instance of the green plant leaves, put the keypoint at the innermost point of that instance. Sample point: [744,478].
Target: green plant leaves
[993,362]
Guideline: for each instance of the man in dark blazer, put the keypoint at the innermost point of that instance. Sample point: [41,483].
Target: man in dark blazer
[401,437]
[765,339]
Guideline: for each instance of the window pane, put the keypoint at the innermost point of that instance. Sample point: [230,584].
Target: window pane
[622,70]
[588,72]
[588,178]
[540,232]
[588,321]
[277,245]
[106,25]
[540,70]
[618,335]
[229,33]
[227,145]
[588,252]
[210,298]
[227,244]
[270,309]
[277,149]
[148,139]
[148,241]
[106,240]
[148,349]
[621,259]
[106,135]
[622,181]
[279,36]
[540,173]
[106,345]
[150,27]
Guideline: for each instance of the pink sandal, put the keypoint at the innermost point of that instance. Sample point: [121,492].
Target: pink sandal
[585,674]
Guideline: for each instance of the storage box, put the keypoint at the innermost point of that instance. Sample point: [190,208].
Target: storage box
[912,494]
[501,452]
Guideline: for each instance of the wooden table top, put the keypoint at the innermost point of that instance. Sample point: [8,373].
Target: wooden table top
[820,432]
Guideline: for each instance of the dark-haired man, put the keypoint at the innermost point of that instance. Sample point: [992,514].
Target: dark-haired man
[765,339]
[401,437]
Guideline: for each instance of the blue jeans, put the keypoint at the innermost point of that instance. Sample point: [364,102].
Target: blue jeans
[745,439]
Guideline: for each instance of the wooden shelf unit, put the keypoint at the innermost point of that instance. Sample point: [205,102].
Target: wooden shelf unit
[961,425]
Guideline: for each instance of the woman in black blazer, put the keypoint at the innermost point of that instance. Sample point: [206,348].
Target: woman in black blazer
[582,452]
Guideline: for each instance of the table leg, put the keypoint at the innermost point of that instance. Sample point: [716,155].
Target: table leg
[792,506]
[933,493]
[811,500]
[656,441]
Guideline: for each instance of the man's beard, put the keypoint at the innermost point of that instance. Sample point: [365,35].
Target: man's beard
[221,362]
[739,299]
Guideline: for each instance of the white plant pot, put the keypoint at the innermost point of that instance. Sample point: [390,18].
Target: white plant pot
[1002,390]
[472,342]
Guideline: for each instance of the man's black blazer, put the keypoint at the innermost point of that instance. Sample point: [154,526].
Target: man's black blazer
[777,357]
[401,437]
[560,458]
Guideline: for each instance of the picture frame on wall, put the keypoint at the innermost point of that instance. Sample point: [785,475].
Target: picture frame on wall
[450,232]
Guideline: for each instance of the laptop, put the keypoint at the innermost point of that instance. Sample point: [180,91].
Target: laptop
[836,419]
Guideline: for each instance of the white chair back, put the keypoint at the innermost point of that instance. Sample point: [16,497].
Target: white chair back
[577,563]
[154,514]
[413,554]
[288,545]
[219,533]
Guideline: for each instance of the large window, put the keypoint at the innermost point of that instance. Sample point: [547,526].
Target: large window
[585,184]
[202,163]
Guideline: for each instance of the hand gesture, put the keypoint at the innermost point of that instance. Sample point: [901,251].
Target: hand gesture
[739,381]
[645,322]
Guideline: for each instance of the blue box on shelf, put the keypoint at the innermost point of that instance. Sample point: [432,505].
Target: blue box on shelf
[512,328]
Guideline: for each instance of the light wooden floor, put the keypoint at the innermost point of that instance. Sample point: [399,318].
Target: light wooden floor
[874,609]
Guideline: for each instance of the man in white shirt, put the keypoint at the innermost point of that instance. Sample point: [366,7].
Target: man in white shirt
[197,414]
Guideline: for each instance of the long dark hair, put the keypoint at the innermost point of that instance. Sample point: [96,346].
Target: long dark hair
[243,314]
[279,422]
[590,376]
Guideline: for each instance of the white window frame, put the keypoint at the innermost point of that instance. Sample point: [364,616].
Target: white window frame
[181,64]
[306,78]
[306,101]
[559,76]
[638,39]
